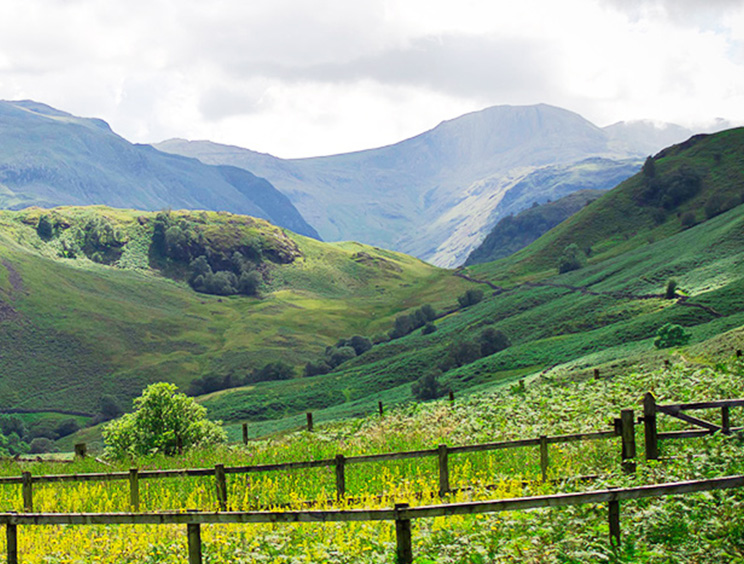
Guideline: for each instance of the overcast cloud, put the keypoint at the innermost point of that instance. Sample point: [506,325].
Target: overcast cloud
[310,77]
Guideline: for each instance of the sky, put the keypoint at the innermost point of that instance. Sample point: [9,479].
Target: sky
[300,78]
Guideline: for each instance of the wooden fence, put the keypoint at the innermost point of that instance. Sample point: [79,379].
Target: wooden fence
[401,514]
[651,409]
[339,463]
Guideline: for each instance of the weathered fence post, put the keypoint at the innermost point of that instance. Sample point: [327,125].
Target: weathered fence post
[245,433]
[340,476]
[134,497]
[195,550]
[11,536]
[444,485]
[614,519]
[596,373]
[451,396]
[379,405]
[738,353]
[725,420]
[404,548]
[221,483]
[309,421]
[81,450]
[544,461]
[649,427]
[627,434]
[28,492]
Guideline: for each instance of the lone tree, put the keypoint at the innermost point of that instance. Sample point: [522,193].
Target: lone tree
[573,258]
[163,421]
[671,335]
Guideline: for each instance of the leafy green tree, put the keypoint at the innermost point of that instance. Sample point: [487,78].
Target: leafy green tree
[671,335]
[492,341]
[428,386]
[249,282]
[465,352]
[572,258]
[360,344]
[471,297]
[428,329]
[671,289]
[45,228]
[163,421]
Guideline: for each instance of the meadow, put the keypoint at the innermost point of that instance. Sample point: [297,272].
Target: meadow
[699,528]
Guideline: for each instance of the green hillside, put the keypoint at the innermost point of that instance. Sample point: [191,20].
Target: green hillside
[691,182]
[516,232]
[597,316]
[121,314]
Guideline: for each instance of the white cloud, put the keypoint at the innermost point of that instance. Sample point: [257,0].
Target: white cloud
[299,77]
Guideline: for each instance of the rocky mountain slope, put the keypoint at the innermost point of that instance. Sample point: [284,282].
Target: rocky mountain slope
[49,158]
[438,194]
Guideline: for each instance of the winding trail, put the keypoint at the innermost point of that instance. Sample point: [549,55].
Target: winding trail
[682,300]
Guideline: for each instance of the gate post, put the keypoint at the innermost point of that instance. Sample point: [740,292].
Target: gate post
[649,426]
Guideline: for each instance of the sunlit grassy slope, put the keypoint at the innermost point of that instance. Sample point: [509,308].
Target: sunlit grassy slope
[73,330]
[610,309]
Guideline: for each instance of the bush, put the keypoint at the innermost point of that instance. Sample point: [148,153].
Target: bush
[428,329]
[164,421]
[572,259]
[41,445]
[688,219]
[272,371]
[428,386]
[492,341]
[465,352]
[45,228]
[671,335]
[671,290]
[471,297]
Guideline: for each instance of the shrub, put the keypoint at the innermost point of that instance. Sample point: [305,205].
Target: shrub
[272,371]
[671,290]
[471,297]
[316,368]
[163,421]
[41,445]
[688,219]
[465,352]
[45,228]
[337,356]
[428,329]
[492,341]
[572,259]
[360,344]
[428,386]
[671,335]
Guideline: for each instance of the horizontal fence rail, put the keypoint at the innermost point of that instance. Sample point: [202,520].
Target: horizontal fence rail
[402,514]
[339,463]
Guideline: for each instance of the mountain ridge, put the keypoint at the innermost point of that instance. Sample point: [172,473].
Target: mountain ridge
[447,183]
[49,157]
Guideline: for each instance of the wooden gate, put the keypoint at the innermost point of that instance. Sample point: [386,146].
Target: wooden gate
[651,408]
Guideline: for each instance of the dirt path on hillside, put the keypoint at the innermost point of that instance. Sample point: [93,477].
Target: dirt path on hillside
[682,300]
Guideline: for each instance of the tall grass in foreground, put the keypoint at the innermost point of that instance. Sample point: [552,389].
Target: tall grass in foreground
[698,528]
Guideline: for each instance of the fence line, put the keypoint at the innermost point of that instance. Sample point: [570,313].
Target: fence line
[402,514]
[220,472]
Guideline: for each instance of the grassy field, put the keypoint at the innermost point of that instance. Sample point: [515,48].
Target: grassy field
[704,528]
[74,330]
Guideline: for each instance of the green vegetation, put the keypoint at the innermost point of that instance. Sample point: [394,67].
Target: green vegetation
[74,330]
[706,527]
[163,421]
[513,233]
[671,335]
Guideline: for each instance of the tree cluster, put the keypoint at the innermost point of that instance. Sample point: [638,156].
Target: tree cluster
[214,382]
[18,438]
[212,271]
[471,297]
[342,351]
[667,191]
[488,342]
[407,323]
